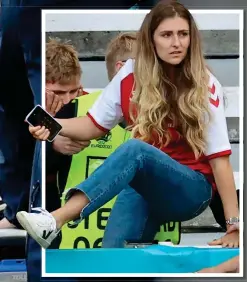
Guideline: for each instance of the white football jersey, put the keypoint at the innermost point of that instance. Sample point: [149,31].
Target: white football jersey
[109,109]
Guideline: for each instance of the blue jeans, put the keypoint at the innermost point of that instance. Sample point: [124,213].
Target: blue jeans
[140,225]
[172,191]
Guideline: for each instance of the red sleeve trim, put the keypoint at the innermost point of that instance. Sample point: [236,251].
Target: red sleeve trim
[220,154]
[96,124]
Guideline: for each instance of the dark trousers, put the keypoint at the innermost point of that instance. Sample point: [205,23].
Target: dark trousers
[20,80]
[16,100]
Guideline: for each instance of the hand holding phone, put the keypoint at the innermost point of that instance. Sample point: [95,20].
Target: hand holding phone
[43,125]
[39,133]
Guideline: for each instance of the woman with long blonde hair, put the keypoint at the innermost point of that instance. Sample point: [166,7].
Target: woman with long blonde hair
[179,154]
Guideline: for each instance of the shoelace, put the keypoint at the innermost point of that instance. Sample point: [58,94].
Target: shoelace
[48,220]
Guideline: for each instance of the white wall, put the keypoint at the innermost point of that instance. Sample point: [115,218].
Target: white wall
[83,20]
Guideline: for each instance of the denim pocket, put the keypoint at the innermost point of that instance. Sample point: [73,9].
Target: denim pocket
[202,207]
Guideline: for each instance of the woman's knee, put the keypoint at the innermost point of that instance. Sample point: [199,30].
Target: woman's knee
[131,147]
[140,150]
[135,146]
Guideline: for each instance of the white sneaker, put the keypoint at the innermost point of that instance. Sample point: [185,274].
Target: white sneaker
[2,205]
[40,226]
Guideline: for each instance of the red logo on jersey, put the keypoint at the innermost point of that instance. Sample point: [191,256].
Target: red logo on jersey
[214,99]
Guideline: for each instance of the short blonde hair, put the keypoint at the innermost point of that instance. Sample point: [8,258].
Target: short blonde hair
[62,63]
[121,48]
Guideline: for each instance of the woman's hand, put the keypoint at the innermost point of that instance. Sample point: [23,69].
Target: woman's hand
[38,132]
[229,240]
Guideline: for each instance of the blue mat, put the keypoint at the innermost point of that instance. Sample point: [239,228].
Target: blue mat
[13,265]
[153,259]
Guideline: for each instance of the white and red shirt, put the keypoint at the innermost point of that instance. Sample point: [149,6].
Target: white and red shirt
[112,107]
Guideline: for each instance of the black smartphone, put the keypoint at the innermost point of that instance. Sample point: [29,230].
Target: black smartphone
[39,116]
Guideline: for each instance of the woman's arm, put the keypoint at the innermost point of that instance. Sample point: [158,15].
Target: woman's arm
[218,151]
[80,128]
[229,266]
[224,179]
[223,174]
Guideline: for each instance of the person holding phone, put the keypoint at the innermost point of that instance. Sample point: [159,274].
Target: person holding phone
[174,107]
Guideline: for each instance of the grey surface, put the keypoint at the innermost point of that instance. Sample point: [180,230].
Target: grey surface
[197,239]
[13,276]
[204,219]
[233,128]
[94,74]
[235,157]
[93,43]
[226,71]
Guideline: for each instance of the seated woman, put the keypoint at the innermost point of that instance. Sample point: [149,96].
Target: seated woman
[179,154]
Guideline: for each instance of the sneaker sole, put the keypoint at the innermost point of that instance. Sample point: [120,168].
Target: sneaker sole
[28,227]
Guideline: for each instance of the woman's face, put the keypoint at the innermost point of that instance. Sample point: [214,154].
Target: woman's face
[172,40]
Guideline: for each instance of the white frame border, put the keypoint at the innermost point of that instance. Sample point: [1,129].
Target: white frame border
[241,115]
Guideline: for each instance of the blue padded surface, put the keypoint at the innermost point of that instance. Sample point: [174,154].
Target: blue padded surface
[12,265]
[153,259]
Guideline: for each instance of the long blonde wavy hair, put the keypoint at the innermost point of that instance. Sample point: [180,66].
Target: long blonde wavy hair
[158,100]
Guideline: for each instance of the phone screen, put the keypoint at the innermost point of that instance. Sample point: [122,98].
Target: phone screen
[39,116]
